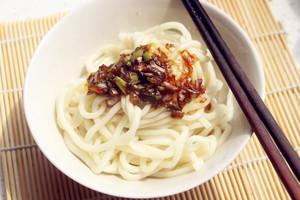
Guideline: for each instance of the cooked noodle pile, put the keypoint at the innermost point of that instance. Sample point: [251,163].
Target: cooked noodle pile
[112,136]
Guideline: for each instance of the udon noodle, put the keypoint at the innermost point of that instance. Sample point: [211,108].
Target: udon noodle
[113,136]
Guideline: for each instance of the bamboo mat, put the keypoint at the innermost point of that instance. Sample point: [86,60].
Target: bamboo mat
[29,175]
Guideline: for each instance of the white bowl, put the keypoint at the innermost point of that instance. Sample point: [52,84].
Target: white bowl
[61,56]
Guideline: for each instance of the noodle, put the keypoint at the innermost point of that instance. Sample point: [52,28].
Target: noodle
[113,136]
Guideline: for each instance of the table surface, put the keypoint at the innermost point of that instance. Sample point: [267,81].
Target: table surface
[285,11]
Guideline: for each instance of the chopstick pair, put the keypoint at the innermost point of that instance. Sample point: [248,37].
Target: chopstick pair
[252,105]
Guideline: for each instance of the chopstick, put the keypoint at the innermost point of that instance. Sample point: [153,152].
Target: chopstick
[251,104]
[279,137]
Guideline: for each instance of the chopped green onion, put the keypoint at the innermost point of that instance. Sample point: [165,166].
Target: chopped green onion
[139,87]
[134,78]
[127,59]
[121,84]
[122,70]
[147,56]
[138,52]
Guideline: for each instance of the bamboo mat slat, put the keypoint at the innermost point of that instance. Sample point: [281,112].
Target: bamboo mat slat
[29,175]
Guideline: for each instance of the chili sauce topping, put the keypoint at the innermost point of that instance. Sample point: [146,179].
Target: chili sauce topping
[147,76]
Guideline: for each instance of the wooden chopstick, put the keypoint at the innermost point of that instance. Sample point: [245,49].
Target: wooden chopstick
[253,107]
[278,136]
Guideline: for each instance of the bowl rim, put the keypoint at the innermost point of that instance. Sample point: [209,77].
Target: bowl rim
[31,126]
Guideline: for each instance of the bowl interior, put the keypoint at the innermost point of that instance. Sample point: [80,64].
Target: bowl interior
[61,56]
